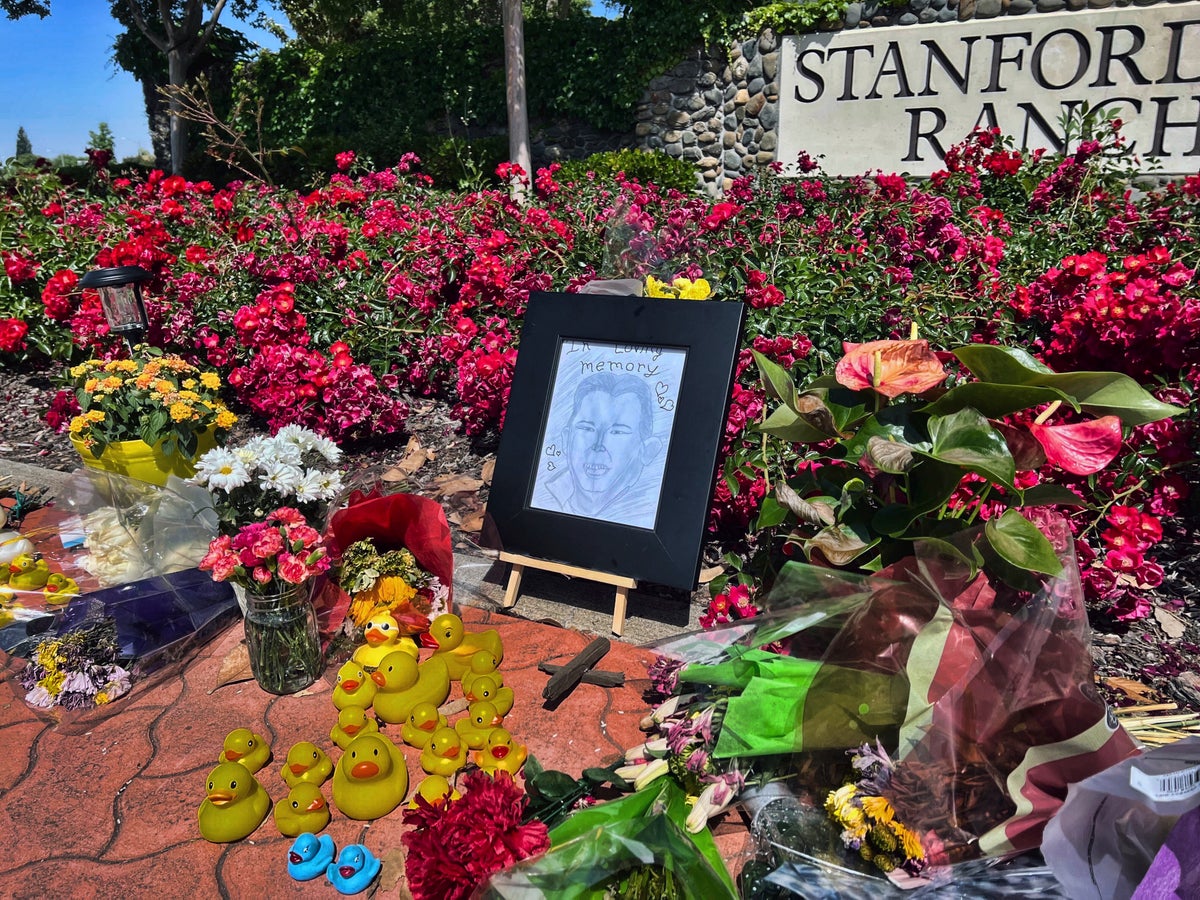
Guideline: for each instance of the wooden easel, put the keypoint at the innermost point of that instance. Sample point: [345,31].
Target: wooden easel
[622,583]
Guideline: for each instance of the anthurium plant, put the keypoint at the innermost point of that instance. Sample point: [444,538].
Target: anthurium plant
[904,448]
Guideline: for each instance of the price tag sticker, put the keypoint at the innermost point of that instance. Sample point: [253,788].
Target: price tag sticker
[1170,786]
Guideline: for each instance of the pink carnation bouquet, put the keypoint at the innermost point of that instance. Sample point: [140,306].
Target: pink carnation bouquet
[265,556]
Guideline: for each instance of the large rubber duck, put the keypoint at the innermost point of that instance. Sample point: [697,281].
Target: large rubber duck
[353,687]
[501,753]
[235,806]
[452,642]
[475,728]
[383,636]
[310,856]
[27,572]
[306,762]
[436,790]
[445,753]
[403,683]
[422,722]
[354,870]
[60,589]
[351,722]
[484,662]
[371,778]
[245,747]
[484,687]
[303,809]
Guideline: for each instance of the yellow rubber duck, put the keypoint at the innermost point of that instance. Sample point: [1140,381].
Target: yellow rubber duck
[383,636]
[484,687]
[28,572]
[351,722]
[306,762]
[371,778]
[475,728]
[501,753]
[235,806]
[403,683]
[246,748]
[436,790]
[445,753]
[60,589]
[484,662]
[457,645]
[354,687]
[422,722]
[303,809]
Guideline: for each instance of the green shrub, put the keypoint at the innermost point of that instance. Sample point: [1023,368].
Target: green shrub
[465,164]
[647,166]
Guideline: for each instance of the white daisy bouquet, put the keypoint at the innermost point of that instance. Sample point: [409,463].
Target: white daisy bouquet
[295,467]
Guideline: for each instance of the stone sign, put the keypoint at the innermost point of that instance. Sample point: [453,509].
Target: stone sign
[897,98]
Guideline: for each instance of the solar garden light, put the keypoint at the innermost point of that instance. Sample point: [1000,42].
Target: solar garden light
[121,295]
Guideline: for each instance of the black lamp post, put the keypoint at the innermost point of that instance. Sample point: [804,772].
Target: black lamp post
[121,295]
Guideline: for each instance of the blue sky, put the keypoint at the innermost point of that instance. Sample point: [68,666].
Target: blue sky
[57,80]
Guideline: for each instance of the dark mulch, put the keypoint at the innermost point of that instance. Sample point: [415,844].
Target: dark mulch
[1152,651]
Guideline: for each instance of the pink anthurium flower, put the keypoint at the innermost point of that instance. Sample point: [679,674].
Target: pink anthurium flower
[1083,448]
[890,367]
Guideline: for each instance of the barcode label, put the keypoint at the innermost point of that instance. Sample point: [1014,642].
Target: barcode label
[1172,786]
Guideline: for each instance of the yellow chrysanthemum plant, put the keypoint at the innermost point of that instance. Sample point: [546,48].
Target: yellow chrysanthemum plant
[679,288]
[158,398]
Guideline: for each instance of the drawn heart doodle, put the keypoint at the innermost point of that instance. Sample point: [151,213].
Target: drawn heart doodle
[660,391]
[553,450]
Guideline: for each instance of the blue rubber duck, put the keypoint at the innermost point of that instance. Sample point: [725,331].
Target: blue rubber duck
[354,870]
[310,856]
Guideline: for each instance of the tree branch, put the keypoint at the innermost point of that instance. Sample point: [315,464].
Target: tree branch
[157,41]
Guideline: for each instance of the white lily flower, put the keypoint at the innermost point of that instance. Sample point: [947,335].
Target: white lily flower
[654,769]
[648,750]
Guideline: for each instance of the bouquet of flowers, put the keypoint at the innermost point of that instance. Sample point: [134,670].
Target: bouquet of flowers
[78,670]
[265,557]
[293,468]
[155,398]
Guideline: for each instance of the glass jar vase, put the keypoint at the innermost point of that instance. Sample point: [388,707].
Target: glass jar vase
[283,640]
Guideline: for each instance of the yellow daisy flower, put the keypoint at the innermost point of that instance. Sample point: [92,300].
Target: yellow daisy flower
[879,809]
[909,842]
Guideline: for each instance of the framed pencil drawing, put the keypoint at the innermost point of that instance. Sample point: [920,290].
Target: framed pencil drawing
[608,455]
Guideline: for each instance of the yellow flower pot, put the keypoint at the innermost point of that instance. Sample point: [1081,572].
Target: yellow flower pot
[137,459]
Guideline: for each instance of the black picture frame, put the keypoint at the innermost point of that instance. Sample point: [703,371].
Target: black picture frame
[667,553]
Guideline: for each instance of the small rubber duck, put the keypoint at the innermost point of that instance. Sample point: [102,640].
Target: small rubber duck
[303,809]
[475,728]
[310,856]
[445,753]
[403,683]
[422,722]
[351,722]
[235,805]
[371,778]
[28,572]
[60,589]
[354,687]
[306,762]
[457,645]
[484,662]
[245,747]
[501,753]
[436,790]
[383,636]
[354,870]
[484,687]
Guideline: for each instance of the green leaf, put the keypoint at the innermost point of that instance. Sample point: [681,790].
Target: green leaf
[966,439]
[1050,495]
[993,400]
[771,513]
[945,548]
[1002,365]
[786,424]
[929,486]
[840,544]
[775,380]
[895,423]
[1019,542]
[818,512]
[890,456]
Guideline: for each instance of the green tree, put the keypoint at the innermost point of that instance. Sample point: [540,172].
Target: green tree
[101,139]
[24,145]
[17,8]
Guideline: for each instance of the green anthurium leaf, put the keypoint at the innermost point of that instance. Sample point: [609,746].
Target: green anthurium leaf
[966,439]
[993,400]
[1050,495]
[893,423]
[929,486]
[771,513]
[890,456]
[945,548]
[1001,365]
[786,424]
[852,488]
[840,544]
[1019,542]
[817,512]
[775,380]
